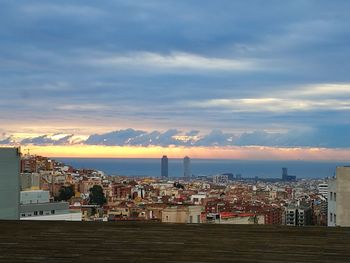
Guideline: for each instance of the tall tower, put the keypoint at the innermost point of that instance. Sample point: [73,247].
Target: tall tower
[187,167]
[164,167]
[284,174]
[9,183]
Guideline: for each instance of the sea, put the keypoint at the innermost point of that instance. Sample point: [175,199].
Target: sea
[206,167]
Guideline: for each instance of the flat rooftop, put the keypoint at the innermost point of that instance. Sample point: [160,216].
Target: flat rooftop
[30,241]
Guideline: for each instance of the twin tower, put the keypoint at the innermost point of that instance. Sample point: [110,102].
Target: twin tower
[186,167]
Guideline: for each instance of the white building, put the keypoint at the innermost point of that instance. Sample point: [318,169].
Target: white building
[339,196]
[323,189]
[36,205]
[197,198]
[9,183]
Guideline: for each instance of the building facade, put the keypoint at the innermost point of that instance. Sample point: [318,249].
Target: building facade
[164,167]
[182,214]
[9,183]
[338,198]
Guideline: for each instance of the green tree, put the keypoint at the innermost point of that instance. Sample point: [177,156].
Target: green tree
[65,193]
[97,196]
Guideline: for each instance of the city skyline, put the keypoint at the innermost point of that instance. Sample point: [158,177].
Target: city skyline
[234,80]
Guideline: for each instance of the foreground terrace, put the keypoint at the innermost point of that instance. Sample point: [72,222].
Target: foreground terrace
[153,242]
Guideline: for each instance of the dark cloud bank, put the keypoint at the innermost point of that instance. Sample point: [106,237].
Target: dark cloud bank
[323,136]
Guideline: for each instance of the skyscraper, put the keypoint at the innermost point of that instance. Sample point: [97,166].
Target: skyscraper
[9,183]
[187,167]
[284,174]
[164,167]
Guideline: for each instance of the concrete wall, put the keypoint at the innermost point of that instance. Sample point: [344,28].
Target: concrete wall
[343,196]
[9,183]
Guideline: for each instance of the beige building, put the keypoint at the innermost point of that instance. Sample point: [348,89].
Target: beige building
[182,214]
[338,198]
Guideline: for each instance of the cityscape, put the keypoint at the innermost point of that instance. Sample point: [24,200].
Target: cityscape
[175,131]
[42,188]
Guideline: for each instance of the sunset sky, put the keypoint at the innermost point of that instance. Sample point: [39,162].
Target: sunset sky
[255,79]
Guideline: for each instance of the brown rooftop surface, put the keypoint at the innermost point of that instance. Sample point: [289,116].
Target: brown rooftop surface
[25,241]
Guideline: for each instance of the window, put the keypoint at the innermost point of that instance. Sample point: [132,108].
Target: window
[335,218]
[23,215]
[35,213]
[198,218]
[331,196]
[335,196]
[41,213]
[331,217]
[191,219]
[52,212]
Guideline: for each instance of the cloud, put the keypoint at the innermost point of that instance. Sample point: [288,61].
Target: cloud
[308,98]
[238,67]
[8,141]
[56,139]
[174,60]
[324,136]
[122,137]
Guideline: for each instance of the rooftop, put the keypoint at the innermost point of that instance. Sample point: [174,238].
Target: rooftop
[154,242]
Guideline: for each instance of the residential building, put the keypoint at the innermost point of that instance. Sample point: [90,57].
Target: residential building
[297,215]
[182,214]
[338,198]
[323,189]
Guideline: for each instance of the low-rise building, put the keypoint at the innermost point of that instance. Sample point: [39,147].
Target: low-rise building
[182,214]
[36,205]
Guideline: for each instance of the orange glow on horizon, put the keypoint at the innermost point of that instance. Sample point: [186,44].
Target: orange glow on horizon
[249,152]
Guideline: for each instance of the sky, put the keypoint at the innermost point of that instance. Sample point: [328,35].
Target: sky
[253,79]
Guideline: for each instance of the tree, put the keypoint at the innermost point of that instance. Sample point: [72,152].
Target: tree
[65,193]
[97,196]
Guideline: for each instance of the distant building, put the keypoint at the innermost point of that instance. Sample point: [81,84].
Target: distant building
[9,183]
[238,176]
[36,205]
[338,198]
[187,167]
[164,167]
[286,176]
[220,179]
[230,176]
